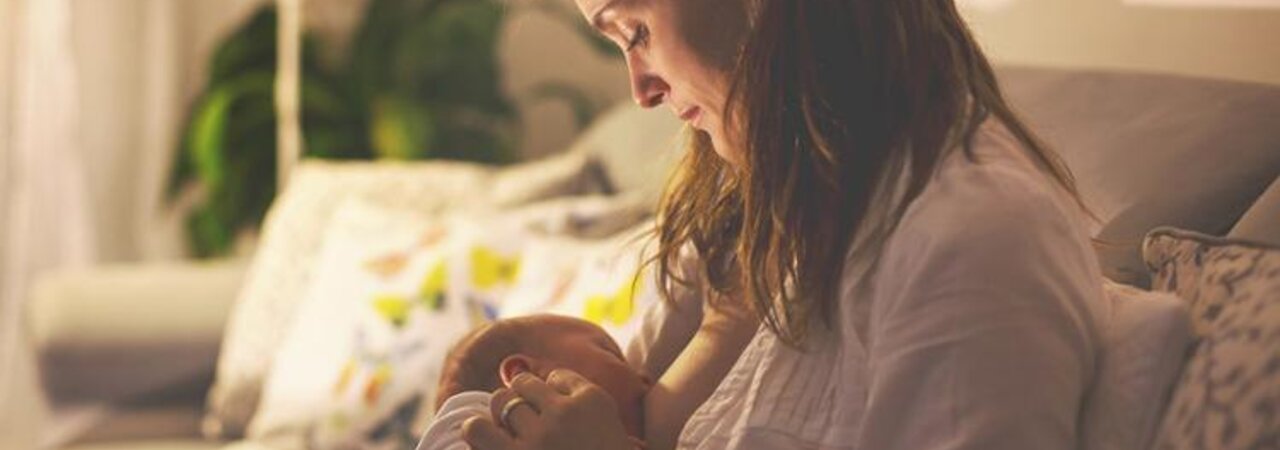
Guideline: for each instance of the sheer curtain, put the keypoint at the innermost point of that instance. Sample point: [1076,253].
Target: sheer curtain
[92,93]
[45,219]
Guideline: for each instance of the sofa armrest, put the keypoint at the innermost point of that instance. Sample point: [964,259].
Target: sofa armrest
[117,333]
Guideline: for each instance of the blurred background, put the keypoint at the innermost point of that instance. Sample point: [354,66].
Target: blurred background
[151,133]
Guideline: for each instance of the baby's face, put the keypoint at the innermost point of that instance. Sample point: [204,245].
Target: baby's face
[584,348]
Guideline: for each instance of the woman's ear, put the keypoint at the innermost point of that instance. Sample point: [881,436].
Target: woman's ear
[514,365]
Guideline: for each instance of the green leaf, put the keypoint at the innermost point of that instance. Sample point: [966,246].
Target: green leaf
[401,129]
[207,142]
[210,234]
[450,56]
[336,143]
[182,171]
[374,43]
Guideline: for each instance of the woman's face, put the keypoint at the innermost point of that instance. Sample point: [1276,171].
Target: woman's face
[680,53]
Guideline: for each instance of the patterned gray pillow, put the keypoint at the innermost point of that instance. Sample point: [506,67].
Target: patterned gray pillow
[1228,396]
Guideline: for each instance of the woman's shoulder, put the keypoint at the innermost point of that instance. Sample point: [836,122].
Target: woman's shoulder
[991,231]
[993,193]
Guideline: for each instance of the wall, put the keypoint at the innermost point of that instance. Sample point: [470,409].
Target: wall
[1224,42]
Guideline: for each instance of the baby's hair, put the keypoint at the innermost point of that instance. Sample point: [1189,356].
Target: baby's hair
[473,363]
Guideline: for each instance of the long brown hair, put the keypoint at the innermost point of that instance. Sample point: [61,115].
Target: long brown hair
[831,102]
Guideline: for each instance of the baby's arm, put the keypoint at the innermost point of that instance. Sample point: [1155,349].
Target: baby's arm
[695,374]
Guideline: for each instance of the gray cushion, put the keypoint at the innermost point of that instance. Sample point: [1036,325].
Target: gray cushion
[1261,222]
[1150,150]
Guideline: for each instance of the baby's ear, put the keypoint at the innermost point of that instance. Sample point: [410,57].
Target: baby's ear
[514,365]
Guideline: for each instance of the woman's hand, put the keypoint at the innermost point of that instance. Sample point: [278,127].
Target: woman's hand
[565,412]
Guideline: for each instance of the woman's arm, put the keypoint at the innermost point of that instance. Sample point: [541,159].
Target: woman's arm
[983,329]
[695,374]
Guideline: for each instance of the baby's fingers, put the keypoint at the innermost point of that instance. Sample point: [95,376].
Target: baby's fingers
[482,434]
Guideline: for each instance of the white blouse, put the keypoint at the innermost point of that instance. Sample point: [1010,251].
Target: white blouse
[977,329]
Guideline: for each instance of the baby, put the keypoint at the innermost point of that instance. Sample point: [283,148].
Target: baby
[489,357]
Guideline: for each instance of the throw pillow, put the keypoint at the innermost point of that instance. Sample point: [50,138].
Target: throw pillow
[291,239]
[1228,396]
[611,285]
[603,281]
[1144,344]
[392,292]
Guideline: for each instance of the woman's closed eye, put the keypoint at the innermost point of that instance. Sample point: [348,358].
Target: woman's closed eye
[639,36]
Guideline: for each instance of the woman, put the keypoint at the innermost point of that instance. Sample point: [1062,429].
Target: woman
[916,260]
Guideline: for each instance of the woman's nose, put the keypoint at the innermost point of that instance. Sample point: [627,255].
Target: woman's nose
[647,88]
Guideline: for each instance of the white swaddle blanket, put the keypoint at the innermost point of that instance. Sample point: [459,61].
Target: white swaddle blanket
[445,432]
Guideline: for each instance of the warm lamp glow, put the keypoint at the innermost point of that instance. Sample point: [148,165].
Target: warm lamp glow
[1201,4]
[985,5]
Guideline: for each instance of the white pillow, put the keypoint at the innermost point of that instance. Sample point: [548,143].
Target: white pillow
[612,285]
[392,292]
[599,280]
[1143,349]
[291,240]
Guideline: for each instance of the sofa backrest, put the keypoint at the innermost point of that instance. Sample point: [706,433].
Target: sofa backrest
[1149,150]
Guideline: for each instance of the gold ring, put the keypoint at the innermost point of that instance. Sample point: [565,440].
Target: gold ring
[511,406]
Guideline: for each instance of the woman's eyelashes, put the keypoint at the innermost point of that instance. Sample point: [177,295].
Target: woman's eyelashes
[639,36]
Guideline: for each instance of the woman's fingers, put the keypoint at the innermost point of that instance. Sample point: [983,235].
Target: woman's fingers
[483,434]
[512,411]
[566,412]
[535,390]
[567,382]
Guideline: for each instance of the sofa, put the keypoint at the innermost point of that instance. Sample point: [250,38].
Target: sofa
[1147,150]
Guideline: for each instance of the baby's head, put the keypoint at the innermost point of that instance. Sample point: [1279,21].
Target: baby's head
[489,357]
